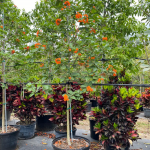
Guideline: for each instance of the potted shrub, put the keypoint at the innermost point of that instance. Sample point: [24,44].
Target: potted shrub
[146,102]
[116,117]
[59,110]
[26,108]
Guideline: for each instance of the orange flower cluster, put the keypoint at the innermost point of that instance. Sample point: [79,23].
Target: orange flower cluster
[23,32]
[37,45]
[37,33]
[41,65]
[44,46]
[1,26]
[78,15]
[58,60]
[81,64]
[100,79]
[69,78]
[104,38]
[93,30]
[15,6]
[66,97]
[76,50]
[17,40]
[92,57]
[58,22]
[89,89]
[13,51]
[27,48]
[69,49]
[94,7]
[79,54]
[115,71]
[67,3]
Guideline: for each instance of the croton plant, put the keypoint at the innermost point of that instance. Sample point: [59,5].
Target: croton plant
[60,105]
[25,106]
[116,115]
[146,98]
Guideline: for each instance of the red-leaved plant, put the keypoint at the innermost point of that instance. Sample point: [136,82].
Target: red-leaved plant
[146,98]
[116,115]
[26,107]
[60,106]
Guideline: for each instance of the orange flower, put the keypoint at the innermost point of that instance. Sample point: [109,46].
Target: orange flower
[66,97]
[27,48]
[93,30]
[36,45]
[76,50]
[64,6]
[114,74]
[107,68]
[23,32]
[80,20]
[79,54]
[78,15]
[69,49]
[62,9]
[89,89]
[110,66]
[69,78]
[1,26]
[41,65]
[94,7]
[86,15]
[114,70]
[15,6]
[44,46]
[17,40]
[100,79]
[13,51]
[94,21]
[58,60]
[85,20]
[80,89]
[104,38]
[67,3]
[37,33]
[92,57]
[58,21]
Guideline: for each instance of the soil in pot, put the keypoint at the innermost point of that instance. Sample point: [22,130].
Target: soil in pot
[26,131]
[79,143]
[62,131]
[92,131]
[44,124]
[8,141]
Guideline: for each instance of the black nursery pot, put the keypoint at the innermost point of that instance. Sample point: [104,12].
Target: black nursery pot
[8,141]
[26,131]
[61,134]
[108,147]
[89,105]
[92,132]
[94,103]
[44,124]
[75,137]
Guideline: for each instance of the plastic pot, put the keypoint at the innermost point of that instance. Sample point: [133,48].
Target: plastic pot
[94,102]
[26,131]
[61,134]
[75,137]
[108,147]
[147,112]
[92,132]
[88,109]
[8,141]
[44,124]
[8,117]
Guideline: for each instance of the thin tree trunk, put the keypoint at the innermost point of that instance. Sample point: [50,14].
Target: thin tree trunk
[68,125]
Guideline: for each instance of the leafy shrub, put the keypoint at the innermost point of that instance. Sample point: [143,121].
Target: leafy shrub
[146,98]
[116,115]
[60,106]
